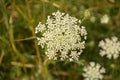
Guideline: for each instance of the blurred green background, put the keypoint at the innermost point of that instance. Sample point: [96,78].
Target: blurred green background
[22,59]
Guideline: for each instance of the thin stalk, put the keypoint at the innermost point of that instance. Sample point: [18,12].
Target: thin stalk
[25,39]
[44,12]
[1,56]
[9,27]
[14,47]
[31,22]
[47,75]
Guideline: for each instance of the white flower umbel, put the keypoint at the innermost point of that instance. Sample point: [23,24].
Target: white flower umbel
[104,19]
[62,37]
[93,72]
[110,47]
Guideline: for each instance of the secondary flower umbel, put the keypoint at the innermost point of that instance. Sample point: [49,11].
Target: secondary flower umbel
[104,19]
[110,47]
[93,71]
[62,36]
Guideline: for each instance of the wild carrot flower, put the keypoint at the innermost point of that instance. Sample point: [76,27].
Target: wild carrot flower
[62,37]
[110,47]
[93,71]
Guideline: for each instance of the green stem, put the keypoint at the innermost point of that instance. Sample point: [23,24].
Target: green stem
[47,75]
[29,38]
[44,13]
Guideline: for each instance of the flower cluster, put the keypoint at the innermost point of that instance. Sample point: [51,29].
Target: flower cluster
[105,19]
[62,36]
[110,47]
[93,71]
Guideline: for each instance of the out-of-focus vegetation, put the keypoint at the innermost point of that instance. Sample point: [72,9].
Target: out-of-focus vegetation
[22,59]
